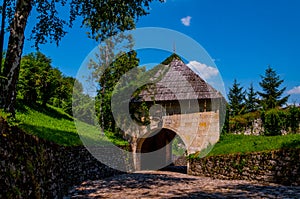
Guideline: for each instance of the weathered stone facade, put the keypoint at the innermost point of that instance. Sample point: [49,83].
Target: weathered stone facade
[197,131]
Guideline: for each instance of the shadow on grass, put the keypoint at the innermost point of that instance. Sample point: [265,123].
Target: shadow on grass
[51,112]
[21,106]
[64,138]
[291,145]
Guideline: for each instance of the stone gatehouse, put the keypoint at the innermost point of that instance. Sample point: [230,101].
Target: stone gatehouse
[180,104]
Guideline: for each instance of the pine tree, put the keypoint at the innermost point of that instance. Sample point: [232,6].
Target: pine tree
[271,95]
[251,101]
[236,99]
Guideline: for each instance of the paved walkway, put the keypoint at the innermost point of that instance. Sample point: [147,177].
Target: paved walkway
[165,184]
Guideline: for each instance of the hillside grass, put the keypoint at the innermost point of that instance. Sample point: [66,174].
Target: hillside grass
[53,124]
[230,144]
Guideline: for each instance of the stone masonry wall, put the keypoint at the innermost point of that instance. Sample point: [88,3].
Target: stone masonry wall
[35,168]
[280,166]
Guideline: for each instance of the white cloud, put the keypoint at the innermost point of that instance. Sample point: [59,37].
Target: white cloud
[204,71]
[186,20]
[295,90]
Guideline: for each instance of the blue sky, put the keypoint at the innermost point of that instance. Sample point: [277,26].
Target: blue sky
[243,37]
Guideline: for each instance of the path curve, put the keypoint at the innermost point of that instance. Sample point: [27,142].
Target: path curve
[165,184]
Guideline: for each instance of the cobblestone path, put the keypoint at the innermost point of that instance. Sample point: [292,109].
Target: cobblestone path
[165,184]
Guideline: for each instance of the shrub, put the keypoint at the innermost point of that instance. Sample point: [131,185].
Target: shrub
[242,122]
[294,118]
[274,120]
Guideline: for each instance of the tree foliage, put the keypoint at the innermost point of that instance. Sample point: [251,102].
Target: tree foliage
[114,59]
[40,83]
[34,77]
[274,121]
[293,118]
[82,104]
[169,59]
[271,95]
[236,97]
[251,100]
[226,127]
[104,18]
[245,107]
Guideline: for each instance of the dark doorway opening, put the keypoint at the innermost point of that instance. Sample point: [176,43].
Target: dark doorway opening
[156,150]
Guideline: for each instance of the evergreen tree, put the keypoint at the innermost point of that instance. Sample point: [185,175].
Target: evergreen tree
[251,101]
[236,99]
[271,95]
[225,128]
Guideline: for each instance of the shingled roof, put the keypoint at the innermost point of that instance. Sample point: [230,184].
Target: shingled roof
[178,82]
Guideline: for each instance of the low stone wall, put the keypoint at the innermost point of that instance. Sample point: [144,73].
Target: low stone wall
[35,168]
[281,166]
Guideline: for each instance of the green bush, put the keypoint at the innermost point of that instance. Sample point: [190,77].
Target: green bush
[241,122]
[294,118]
[274,120]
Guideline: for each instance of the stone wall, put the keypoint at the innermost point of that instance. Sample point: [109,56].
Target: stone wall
[254,128]
[281,166]
[35,168]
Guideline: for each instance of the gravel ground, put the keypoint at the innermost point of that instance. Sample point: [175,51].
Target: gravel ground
[166,184]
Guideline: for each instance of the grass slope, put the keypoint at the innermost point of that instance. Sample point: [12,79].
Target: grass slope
[229,144]
[53,124]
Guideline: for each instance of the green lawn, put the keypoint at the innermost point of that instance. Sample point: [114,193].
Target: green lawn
[53,124]
[229,144]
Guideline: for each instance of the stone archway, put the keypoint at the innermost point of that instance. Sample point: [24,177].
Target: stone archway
[196,130]
[155,150]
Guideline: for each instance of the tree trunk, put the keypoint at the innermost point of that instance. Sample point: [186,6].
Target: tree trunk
[2,33]
[101,110]
[13,56]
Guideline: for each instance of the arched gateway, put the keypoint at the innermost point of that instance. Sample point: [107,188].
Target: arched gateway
[181,104]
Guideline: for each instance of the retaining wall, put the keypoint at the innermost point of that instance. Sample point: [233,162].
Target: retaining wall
[34,168]
[280,166]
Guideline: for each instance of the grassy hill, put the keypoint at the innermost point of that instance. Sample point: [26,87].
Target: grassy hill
[53,124]
[229,144]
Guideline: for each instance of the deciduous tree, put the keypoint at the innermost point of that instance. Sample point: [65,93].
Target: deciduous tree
[114,59]
[35,79]
[103,17]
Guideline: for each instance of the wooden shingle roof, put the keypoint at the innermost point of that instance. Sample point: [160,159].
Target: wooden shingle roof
[178,82]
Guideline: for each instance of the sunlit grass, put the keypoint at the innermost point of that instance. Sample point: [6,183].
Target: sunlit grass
[229,144]
[53,124]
